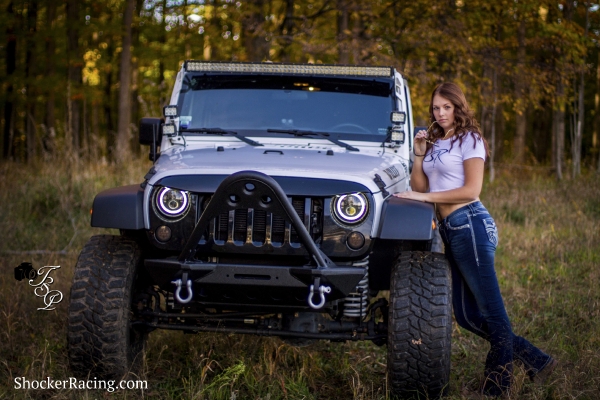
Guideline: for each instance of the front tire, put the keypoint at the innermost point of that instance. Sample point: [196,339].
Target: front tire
[100,340]
[420,326]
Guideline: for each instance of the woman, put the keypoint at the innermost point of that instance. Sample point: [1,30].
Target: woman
[448,171]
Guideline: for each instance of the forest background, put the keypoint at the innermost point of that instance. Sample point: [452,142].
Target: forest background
[78,75]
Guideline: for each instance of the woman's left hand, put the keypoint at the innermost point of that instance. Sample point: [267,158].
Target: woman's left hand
[412,195]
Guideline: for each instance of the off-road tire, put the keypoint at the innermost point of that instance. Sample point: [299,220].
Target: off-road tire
[420,326]
[100,341]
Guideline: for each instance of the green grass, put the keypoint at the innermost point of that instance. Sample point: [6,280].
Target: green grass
[548,264]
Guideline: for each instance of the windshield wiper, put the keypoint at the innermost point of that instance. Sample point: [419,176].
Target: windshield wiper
[222,132]
[323,135]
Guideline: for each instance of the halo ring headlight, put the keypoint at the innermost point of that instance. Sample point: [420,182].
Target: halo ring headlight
[172,202]
[350,209]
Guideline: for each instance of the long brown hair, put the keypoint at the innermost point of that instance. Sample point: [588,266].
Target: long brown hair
[464,118]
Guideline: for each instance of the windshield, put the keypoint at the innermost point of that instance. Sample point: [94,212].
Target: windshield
[349,107]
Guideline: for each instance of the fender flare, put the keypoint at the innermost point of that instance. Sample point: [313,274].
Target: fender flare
[403,219]
[119,208]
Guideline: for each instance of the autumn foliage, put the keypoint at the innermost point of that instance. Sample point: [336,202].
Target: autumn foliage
[77,75]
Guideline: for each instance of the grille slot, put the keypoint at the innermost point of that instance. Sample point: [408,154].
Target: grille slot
[298,205]
[222,232]
[259,233]
[277,229]
[239,225]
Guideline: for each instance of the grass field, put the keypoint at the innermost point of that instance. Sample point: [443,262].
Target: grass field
[548,264]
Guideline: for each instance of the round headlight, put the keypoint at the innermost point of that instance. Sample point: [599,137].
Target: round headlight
[172,202]
[351,208]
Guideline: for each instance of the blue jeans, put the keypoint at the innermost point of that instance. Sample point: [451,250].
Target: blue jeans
[470,238]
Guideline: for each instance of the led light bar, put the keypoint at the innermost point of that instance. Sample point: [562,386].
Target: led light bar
[299,69]
[170,111]
[169,130]
[398,117]
[398,135]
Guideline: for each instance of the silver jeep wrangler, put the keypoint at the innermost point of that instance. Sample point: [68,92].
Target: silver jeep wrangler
[268,211]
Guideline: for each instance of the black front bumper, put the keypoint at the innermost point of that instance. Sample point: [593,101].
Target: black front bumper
[228,284]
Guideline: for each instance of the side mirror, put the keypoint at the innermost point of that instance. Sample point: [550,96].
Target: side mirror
[150,130]
[151,133]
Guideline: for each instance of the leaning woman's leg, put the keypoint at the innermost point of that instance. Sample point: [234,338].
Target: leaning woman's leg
[469,317]
[465,308]
[473,256]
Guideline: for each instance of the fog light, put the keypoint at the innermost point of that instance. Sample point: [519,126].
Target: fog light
[355,240]
[163,233]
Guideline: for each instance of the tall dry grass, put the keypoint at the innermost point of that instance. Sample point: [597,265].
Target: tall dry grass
[548,264]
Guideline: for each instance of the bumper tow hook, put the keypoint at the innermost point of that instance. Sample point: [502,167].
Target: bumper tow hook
[179,284]
[322,290]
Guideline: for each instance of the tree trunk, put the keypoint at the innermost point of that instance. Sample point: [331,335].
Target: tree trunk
[135,108]
[49,118]
[559,118]
[185,33]
[487,86]
[124,117]
[343,32]
[108,105]
[161,64]
[74,78]
[30,84]
[287,31]
[85,131]
[216,29]
[11,66]
[521,107]
[357,42]
[576,145]
[253,32]
[500,152]
[95,128]
[596,134]
[492,143]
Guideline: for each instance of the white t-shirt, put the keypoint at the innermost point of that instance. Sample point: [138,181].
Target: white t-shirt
[444,166]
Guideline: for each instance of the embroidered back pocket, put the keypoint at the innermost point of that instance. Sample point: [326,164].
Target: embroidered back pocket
[491,230]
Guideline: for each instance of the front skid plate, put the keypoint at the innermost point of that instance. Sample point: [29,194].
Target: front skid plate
[342,280]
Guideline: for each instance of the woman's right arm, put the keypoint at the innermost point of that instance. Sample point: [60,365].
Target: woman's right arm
[418,179]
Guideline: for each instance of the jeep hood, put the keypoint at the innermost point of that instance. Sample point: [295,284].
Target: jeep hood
[285,160]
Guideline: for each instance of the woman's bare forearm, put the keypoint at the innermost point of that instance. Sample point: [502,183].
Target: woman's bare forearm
[418,179]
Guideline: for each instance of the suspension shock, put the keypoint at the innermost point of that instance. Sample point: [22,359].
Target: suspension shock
[355,305]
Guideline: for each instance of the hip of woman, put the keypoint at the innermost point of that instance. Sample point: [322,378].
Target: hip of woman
[443,210]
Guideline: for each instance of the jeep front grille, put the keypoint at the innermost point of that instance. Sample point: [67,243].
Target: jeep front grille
[258,227]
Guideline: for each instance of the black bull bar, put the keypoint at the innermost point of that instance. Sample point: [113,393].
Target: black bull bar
[286,286]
